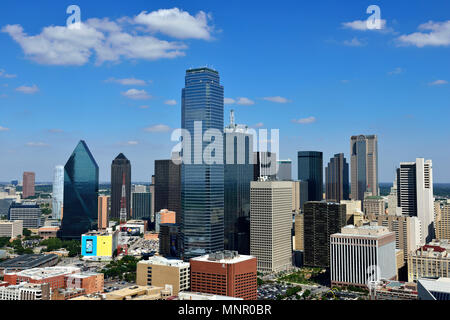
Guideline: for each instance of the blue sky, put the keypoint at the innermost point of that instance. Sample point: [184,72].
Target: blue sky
[308,68]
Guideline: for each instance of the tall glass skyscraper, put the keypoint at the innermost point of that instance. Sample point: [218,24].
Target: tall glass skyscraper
[120,166]
[310,169]
[202,185]
[238,150]
[364,166]
[58,192]
[80,193]
[337,187]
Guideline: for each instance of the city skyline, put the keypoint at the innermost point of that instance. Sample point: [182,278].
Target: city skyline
[409,76]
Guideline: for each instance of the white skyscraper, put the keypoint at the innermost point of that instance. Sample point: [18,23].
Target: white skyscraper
[58,192]
[415,194]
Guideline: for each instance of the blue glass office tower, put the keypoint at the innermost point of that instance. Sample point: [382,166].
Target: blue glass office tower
[80,193]
[202,185]
[238,150]
[310,169]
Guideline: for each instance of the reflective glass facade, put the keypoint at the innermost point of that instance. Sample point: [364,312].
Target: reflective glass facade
[80,193]
[202,185]
[58,192]
[237,193]
[310,169]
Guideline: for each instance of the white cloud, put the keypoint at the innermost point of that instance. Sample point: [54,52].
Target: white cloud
[36,144]
[136,94]
[170,102]
[132,143]
[438,35]
[229,101]
[55,130]
[305,120]
[3,74]
[128,81]
[397,70]
[361,25]
[277,99]
[3,129]
[176,23]
[438,83]
[245,101]
[355,42]
[144,107]
[112,41]
[28,90]
[158,128]
[258,125]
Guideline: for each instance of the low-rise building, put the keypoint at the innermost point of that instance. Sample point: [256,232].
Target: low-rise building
[26,291]
[11,229]
[225,273]
[55,276]
[99,245]
[28,261]
[186,295]
[394,290]
[430,261]
[131,293]
[161,272]
[48,232]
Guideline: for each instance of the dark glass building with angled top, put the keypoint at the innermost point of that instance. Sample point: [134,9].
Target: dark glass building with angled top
[202,185]
[80,193]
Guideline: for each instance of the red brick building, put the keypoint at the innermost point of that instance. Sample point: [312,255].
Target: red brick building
[225,273]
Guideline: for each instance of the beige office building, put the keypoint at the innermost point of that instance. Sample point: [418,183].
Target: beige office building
[104,205]
[430,261]
[161,272]
[299,233]
[271,224]
[374,205]
[442,219]
[11,229]
[407,230]
[353,212]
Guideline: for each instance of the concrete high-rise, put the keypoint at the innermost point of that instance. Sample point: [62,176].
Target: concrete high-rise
[202,178]
[58,192]
[415,194]
[168,187]
[337,187]
[364,166]
[238,173]
[321,220]
[80,193]
[310,169]
[271,225]
[120,166]
[28,185]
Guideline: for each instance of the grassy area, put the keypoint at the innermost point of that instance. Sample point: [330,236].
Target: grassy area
[309,276]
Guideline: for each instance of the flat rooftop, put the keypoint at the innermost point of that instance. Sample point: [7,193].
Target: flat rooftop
[43,273]
[28,261]
[158,260]
[212,259]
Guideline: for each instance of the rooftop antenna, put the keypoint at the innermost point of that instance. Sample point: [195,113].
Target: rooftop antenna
[231,118]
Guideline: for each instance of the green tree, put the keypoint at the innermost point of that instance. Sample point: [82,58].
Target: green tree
[26,232]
